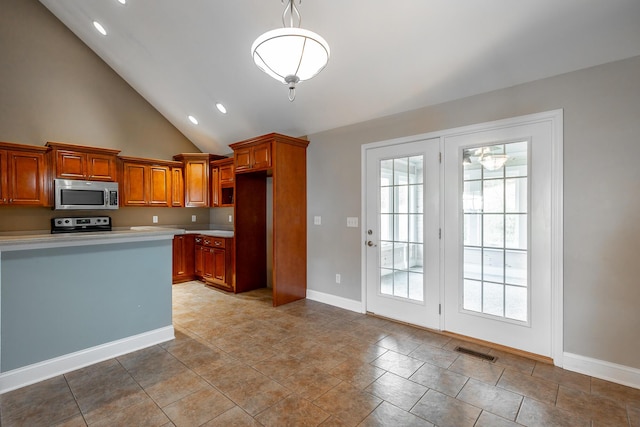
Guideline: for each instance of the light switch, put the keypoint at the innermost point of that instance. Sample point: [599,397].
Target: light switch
[155,219]
[352,221]
[193,218]
[317,220]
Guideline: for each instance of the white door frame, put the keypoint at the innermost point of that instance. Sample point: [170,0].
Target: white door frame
[555,117]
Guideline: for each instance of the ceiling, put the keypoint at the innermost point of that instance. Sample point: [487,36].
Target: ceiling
[184,56]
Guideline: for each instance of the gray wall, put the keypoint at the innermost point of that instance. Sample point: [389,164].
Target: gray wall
[62,300]
[601,197]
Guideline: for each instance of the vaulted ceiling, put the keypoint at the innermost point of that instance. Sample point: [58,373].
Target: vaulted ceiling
[387,57]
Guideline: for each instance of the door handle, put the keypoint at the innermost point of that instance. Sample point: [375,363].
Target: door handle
[371,244]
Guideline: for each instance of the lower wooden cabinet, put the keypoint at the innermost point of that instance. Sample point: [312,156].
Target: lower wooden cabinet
[183,258]
[212,261]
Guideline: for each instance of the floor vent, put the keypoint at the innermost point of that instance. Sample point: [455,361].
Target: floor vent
[474,353]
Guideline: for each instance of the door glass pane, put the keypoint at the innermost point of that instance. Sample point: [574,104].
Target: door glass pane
[472,196]
[416,172]
[386,173]
[401,171]
[472,230]
[416,232]
[402,228]
[472,263]
[493,195]
[472,295]
[386,197]
[401,198]
[515,229]
[495,230]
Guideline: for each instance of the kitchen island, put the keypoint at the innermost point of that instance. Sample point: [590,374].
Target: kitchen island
[71,300]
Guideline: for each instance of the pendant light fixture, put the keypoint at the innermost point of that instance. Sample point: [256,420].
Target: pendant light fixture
[291,54]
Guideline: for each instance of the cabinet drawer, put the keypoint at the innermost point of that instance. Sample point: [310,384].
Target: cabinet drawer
[213,242]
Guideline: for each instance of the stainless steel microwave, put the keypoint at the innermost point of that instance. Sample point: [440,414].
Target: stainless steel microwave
[73,194]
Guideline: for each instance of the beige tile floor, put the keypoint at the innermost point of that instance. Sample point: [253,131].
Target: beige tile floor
[237,361]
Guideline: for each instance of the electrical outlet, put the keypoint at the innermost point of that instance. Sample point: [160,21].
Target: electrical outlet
[230,218]
[155,219]
[352,221]
[338,278]
[193,218]
[317,220]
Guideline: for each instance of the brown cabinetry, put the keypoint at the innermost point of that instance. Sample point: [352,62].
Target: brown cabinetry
[80,162]
[147,182]
[213,261]
[177,187]
[255,155]
[196,178]
[286,160]
[222,182]
[183,258]
[23,175]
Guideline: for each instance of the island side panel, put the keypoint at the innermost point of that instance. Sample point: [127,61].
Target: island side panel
[61,300]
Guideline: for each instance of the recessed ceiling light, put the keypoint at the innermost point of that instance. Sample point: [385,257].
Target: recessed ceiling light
[100,28]
[221,108]
[193,120]
[123,1]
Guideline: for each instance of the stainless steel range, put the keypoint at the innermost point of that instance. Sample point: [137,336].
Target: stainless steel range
[80,224]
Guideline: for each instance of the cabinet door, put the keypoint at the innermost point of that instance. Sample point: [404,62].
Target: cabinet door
[179,266]
[262,156]
[26,178]
[242,159]
[196,184]
[215,186]
[4,173]
[160,186]
[70,165]
[226,174]
[183,258]
[199,260]
[135,187]
[208,263]
[219,265]
[177,188]
[101,167]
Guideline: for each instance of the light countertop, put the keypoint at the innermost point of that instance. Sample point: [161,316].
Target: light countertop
[42,239]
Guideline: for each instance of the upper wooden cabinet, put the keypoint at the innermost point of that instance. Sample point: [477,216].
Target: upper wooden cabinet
[81,162]
[148,182]
[177,187]
[252,155]
[222,182]
[196,178]
[23,175]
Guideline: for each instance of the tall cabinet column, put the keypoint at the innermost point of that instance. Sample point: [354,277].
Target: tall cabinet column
[283,158]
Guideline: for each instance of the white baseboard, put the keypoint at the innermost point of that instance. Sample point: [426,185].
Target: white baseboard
[40,371]
[347,304]
[608,371]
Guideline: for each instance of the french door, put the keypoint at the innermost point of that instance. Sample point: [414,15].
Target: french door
[402,232]
[497,236]
[471,245]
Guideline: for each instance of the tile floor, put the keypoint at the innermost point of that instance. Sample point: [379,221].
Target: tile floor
[237,361]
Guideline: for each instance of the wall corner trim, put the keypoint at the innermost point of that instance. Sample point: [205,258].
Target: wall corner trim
[347,304]
[602,369]
[40,371]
